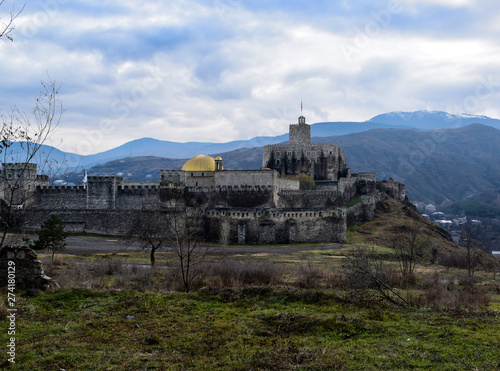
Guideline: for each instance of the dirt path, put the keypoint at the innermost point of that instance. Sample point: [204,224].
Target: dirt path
[82,245]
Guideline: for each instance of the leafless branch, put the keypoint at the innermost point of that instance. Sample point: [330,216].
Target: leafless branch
[23,140]
[365,276]
[7,26]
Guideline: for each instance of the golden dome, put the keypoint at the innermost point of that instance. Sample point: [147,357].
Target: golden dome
[200,163]
[218,158]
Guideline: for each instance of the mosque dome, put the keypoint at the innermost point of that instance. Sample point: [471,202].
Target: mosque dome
[200,163]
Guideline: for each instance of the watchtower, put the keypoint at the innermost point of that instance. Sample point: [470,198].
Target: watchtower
[300,133]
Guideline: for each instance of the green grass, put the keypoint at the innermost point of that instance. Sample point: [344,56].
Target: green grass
[254,328]
[356,200]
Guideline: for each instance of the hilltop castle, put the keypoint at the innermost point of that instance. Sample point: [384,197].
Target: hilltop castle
[268,205]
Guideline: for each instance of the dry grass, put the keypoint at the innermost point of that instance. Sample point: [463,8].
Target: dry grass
[426,290]
[232,273]
[444,294]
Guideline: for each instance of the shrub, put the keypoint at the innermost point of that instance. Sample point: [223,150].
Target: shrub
[309,276]
[443,294]
[232,273]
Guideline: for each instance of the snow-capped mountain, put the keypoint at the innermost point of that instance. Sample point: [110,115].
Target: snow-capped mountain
[433,120]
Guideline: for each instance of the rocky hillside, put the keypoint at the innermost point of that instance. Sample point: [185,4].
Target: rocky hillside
[393,216]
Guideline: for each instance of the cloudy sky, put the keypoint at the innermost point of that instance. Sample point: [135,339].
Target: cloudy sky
[221,70]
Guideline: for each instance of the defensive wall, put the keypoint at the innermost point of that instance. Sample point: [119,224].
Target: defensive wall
[394,189]
[107,194]
[364,211]
[242,225]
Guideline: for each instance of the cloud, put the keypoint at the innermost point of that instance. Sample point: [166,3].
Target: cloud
[220,70]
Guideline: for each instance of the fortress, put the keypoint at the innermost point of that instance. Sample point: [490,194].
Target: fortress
[269,205]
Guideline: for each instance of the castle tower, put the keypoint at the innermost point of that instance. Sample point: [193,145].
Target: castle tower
[300,133]
[19,180]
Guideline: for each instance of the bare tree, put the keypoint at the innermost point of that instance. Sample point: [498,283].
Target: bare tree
[408,243]
[471,237]
[366,277]
[7,25]
[23,140]
[178,228]
[187,236]
[150,230]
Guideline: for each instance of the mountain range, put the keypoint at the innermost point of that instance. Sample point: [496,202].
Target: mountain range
[162,148]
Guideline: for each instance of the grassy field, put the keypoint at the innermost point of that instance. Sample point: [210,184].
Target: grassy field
[267,328]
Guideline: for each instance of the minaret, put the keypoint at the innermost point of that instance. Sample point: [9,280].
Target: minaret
[85,179]
[218,164]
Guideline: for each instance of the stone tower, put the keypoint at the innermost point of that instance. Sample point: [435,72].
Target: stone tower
[18,182]
[300,133]
[300,156]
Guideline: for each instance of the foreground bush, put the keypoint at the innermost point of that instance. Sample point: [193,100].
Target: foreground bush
[431,292]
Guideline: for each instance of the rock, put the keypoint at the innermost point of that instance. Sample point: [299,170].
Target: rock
[27,269]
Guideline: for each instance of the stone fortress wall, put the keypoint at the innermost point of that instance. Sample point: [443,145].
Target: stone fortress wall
[245,206]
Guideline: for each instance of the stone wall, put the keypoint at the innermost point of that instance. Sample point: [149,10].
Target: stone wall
[310,198]
[102,191]
[365,210]
[105,195]
[238,178]
[394,189]
[365,183]
[173,178]
[138,196]
[268,226]
[60,197]
[251,225]
[27,270]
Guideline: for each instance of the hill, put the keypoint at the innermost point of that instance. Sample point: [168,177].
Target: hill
[439,166]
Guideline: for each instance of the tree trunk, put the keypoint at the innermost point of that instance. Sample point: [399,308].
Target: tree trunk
[152,256]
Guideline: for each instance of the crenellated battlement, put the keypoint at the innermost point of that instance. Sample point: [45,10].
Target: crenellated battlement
[310,192]
[274,213]
[139,187]
[291,147]
[20,166]
[240,189]
[276,146]
[61,188]
[365,176]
